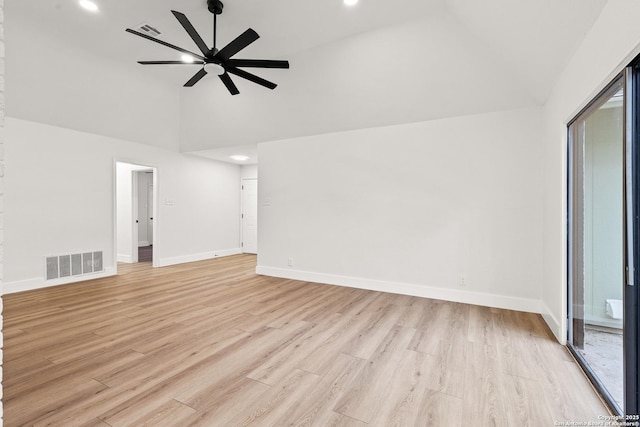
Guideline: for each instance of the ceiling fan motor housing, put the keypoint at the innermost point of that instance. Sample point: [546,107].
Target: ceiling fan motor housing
[215,6]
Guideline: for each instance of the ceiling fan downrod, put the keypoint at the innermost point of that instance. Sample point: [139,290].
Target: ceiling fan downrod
[215,7]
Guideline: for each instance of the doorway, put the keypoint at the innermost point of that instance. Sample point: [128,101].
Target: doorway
[143,205]
[136,207]
[604,241]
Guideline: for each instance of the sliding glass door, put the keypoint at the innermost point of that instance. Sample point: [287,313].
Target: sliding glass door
[597,241]
[603,237]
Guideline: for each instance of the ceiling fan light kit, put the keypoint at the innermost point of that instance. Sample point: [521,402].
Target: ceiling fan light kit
[214,60]
[213,68]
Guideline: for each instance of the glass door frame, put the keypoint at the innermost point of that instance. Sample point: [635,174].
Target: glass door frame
[575,240]
[632,247]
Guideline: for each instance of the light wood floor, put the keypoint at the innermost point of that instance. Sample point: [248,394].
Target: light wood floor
[213,344]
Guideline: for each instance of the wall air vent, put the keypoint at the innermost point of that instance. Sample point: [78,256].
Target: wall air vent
[148,30]
[61,266]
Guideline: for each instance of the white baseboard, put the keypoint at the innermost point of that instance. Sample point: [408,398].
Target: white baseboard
[125,258]
[446,294]
[144,243]
[164,262]
[553,323]
[40,282]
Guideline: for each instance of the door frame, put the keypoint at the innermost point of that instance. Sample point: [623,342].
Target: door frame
[632,239]
[151,218]
[135,205]
[132,227]
[631,242]
[134,216]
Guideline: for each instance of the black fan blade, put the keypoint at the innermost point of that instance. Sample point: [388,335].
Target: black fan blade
[239,43]
[258,63]
[179,49]
[169,63]
[184,21]
[196,78]
[252,77]
[226,79]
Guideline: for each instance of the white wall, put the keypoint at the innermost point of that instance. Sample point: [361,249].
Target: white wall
[60,187]
[347,85]
[75,88]
[249,171]
[410,209]
[612,42]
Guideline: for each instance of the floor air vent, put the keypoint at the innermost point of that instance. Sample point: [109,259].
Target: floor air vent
[62,266]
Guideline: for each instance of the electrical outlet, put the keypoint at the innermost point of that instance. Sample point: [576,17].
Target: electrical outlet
[463,280]
[290,262]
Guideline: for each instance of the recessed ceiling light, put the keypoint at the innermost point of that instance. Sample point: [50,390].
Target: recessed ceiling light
[187,58]
[89,5]
[350,2]
[239,157]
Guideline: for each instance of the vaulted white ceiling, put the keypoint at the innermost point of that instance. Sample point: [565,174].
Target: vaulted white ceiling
[378,63]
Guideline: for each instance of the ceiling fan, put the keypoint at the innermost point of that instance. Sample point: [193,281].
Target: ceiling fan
[219,62]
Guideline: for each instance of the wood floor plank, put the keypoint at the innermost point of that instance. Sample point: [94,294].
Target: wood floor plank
[406,392]
[279,365]
[440,409]
[168,414]
[369,388]
[485,390]
[371,332]
[316,406]
[338,420]
[94,423]
[187,355]
[272,404]
[48,400]
[527,398]
[447,370]
[238,364]
[568,392]
[60,373]
[435,318]
[212,343]
[25,368]
[221,408]
[481,328]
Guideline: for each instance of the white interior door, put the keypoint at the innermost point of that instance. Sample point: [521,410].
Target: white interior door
[250,216]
